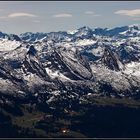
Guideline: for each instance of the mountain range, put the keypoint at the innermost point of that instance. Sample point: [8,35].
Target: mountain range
[71,64]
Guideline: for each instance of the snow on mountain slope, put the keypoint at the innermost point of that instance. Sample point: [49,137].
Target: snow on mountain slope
[56,74]
[4,87]
[97,61]
[8,45]
[75,65]
[84,42]
[116,79]
[78,43]
[133,69]
[72,31]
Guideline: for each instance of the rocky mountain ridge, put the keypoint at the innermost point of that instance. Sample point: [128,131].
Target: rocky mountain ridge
[104,62]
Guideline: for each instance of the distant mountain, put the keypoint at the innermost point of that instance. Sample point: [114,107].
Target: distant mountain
[83,33]
[29,36]
[124,31]
[9,36]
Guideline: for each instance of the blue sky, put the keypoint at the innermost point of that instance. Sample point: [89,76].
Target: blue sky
[46,16]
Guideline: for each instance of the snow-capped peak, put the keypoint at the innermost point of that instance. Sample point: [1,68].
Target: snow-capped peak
[72,31]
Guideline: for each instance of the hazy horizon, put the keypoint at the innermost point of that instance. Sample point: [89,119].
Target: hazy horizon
[18,17]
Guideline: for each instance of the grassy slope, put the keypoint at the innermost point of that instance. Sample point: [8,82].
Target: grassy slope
[30,118]
[104,101]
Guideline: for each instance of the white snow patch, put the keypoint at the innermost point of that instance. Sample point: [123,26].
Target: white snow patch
[56,74]
[85,42]
[72,31]
[8,45]
[133,68]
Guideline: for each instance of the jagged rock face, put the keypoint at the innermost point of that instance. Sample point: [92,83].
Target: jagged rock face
[111,60]
[77,66]
[6,72]
[67,64]
[14,37]
[55,62]
[62,63]
[31,64]
[11,82]
[32,51]
[128,55]
[84,32]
